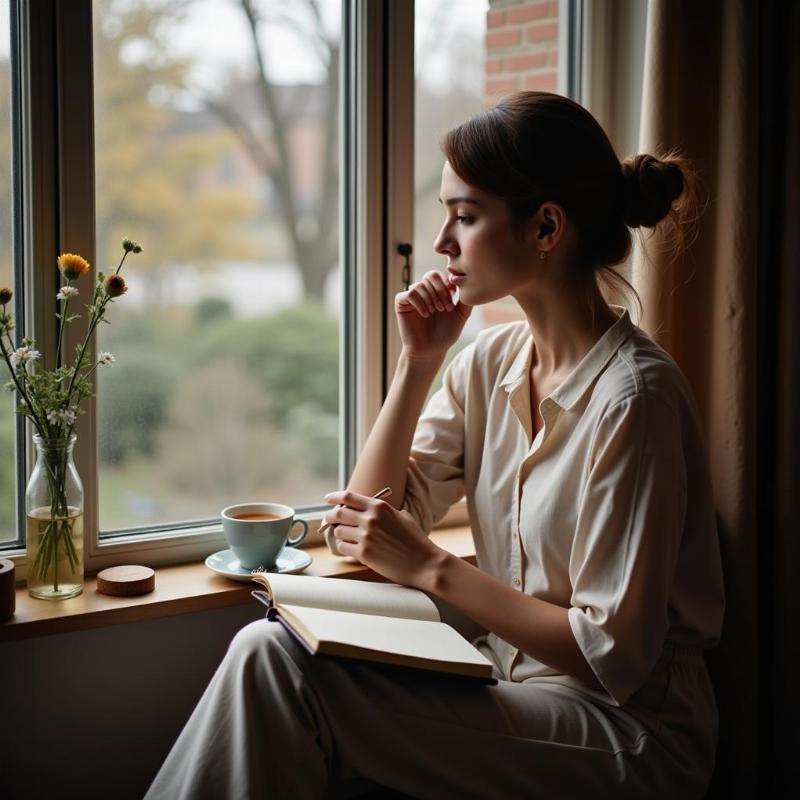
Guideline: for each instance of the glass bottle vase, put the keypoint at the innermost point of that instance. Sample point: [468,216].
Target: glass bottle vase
[54,513]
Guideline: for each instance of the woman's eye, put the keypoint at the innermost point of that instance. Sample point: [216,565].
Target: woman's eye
[463,219]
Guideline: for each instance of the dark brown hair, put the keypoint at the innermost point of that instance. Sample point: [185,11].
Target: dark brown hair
[536,146]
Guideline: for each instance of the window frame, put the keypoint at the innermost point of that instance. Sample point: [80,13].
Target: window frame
[18,274]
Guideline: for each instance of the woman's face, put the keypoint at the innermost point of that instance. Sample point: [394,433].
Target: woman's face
[478,239]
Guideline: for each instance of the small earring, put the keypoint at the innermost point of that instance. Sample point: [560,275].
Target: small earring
[542,255]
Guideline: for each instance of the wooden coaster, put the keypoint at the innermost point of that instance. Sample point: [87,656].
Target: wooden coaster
[126,581]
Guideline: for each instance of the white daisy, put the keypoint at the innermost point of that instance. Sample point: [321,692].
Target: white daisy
[23,354]
[66,292]
[106,358]
[66,415]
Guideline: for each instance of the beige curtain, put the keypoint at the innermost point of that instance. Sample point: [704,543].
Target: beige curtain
[700,93]
[705,71]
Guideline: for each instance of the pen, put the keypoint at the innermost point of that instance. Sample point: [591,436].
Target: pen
[387,490]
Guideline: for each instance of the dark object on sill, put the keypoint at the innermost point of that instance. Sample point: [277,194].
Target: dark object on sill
[126,581]
[8,589]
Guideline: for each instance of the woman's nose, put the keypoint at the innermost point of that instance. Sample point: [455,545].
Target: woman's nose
[444,243]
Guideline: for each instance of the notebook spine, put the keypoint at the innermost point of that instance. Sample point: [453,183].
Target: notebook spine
[263,598]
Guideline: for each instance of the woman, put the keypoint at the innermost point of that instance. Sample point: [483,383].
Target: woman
[575,440]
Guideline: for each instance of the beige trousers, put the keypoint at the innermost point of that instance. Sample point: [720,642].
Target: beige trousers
[277,722]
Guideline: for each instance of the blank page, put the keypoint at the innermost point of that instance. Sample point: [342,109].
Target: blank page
[411,637]
[363,597]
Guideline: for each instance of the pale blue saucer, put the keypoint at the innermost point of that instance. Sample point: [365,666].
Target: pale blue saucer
[290,559]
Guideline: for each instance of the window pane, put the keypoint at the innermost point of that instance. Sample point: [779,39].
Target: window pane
[7,417]
[468,55]
[225,385]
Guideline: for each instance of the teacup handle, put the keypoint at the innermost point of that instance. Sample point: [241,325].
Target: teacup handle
[291,542]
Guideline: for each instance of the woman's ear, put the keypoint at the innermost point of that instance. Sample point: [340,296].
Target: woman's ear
[549,226]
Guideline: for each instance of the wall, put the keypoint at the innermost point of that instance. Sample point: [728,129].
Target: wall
[93,714]
[521,47]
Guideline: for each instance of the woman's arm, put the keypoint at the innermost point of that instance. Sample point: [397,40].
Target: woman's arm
[391,543]
[532,625]
[429,323]
[384,458]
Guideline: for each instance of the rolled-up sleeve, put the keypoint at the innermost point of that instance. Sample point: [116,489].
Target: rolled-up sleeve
[435,477]
[627,540]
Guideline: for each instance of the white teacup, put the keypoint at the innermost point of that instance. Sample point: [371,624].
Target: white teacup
[257,532]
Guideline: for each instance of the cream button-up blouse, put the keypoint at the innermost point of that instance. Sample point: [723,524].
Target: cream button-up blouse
[607,512]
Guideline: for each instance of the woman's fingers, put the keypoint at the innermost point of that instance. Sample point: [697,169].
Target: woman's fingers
[442,289]
[428,295]
[345,533]
[436,285]
[413,298]
[342,515]
[360,502]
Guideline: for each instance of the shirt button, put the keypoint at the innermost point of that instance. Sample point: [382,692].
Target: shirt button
[516,535]
[516,581]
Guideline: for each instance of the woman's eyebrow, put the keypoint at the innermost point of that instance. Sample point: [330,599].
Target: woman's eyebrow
[453,200]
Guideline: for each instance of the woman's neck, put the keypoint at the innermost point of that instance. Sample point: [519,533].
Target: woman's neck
[565,325]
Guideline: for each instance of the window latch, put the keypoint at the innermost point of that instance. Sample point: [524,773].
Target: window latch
[405,249]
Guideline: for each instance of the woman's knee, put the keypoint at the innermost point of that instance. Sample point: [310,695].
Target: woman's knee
[264,638]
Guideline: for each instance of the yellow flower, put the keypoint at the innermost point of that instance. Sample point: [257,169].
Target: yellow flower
[115,285]
[73,266]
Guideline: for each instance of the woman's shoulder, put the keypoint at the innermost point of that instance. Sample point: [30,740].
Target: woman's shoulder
[641,371]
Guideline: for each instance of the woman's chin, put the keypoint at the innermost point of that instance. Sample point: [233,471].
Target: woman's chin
[472,296]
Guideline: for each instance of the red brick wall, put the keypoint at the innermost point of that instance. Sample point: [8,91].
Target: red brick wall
[521,47]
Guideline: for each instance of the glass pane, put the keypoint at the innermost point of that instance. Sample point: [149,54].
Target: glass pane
[469,54]
[216,149]
[7,416]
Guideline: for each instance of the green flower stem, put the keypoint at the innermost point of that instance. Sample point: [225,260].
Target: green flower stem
[122,261]
[93,323]
[62,323]
[23,394]
[91,372]
[11,344]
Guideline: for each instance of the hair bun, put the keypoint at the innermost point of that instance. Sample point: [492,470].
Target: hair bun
[649,187]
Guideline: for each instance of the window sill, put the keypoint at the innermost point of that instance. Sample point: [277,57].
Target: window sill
[182,589]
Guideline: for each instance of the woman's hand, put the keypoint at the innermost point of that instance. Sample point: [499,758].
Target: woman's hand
[429,321]
[383,538]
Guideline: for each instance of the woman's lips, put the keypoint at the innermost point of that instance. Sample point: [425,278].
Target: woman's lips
[456,277]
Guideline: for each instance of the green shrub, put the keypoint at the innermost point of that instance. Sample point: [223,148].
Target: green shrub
[293,354]
[210,310]
[132,397]
[8,463]
[315,436]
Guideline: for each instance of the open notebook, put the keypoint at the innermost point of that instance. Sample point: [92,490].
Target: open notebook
[382,622]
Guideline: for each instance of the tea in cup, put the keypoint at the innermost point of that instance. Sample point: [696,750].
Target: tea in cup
[257,532]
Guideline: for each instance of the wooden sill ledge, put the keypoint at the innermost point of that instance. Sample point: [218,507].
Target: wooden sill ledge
[182,589]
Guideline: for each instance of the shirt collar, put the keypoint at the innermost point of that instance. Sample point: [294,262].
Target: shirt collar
[590,366]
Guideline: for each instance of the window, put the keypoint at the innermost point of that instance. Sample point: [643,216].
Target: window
[216,147]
